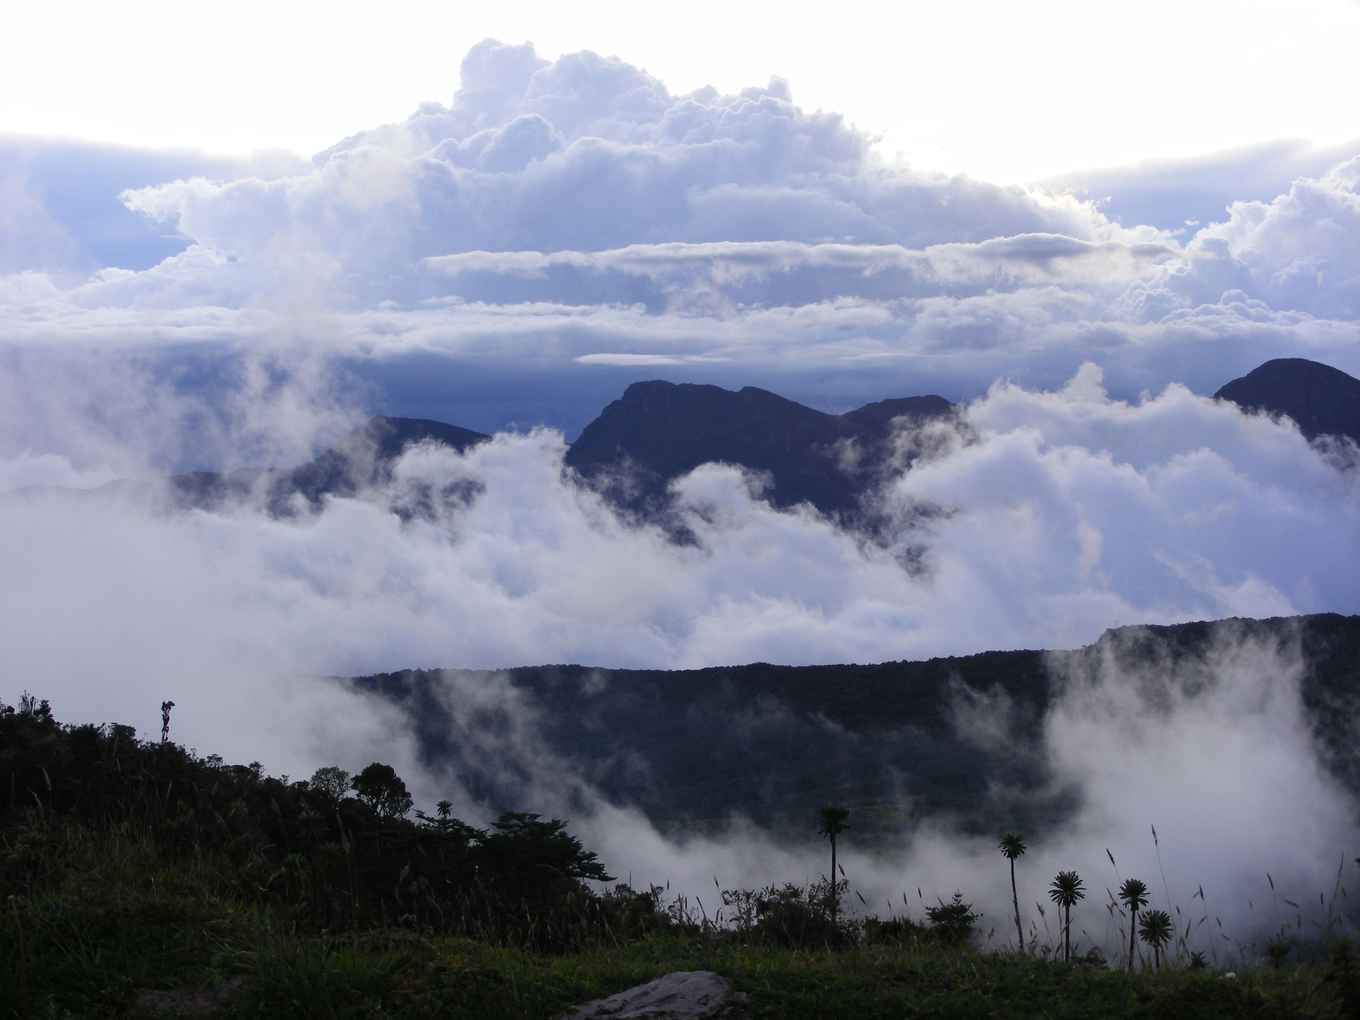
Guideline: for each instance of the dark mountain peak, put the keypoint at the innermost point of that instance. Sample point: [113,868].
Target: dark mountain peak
[363,457]
[882,412]
[1297,369]
[649,387]
[662,430]
[700,393]
[1323,400]
[392,435]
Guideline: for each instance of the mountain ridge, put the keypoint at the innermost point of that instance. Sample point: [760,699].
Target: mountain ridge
[1320,399]
[658,431]
[691,748]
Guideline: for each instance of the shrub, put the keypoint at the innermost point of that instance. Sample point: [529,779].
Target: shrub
[952,922]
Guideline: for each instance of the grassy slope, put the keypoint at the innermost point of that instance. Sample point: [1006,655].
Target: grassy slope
[117,917]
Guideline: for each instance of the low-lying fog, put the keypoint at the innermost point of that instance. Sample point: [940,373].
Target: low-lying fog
[1068,514]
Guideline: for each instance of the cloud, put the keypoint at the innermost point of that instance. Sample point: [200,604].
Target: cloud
[1202,778]
[1296,251]
[61,208]
[1182,194]
[588,153]
[1056,515]
[562,228]
[1068,512]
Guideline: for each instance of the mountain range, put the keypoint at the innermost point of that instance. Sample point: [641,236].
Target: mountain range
[658,431]
[959,738]
[364,458]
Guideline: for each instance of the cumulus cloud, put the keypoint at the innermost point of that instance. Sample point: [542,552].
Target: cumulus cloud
[1181,195]
[588,153]
[562,228]
[60,210]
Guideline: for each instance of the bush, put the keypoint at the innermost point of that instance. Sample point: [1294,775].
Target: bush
[952,922]
[323,861]
[895,931]
[794,917]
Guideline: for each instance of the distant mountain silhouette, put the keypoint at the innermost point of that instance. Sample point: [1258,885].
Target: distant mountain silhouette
[692,748]
[1321,399]
[658,431]
[364,458]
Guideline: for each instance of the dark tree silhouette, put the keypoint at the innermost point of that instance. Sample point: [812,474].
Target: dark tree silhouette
[331,781]
[380,787]
[166,706]
[525,859]
[1067,889]
[1012,846]
[953,921]
[31,706]
[1155,929]
[833,821]
[1134,894]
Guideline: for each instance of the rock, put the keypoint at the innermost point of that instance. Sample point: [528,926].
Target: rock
[683,995]
[188,1002]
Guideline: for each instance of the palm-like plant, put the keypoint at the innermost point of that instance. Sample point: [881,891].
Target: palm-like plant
[1134,894]
[1012,846]
[1066,889]
[833,822]
[1155,929]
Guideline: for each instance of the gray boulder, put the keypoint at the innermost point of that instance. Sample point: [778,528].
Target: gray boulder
[683,995]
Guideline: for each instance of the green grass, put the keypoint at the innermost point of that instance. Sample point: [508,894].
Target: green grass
[192,883]
[461,979]
[118,918]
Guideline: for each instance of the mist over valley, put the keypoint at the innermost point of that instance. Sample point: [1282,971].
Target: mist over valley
[669,482]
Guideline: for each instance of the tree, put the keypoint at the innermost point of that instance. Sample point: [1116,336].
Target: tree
[1067,889]
[31,706]
[953,921]
[1134,894]
[443,822]
[1155,929]
[330,781]
[166,706]
[1012,846]
[527,859]
[833,822]
[380,787]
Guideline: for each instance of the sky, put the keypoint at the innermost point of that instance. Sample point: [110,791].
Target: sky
[224,243]
[1007,92]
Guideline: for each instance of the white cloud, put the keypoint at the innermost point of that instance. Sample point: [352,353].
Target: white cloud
[1182,195]
[572,226]
[588,153]
[1070,513]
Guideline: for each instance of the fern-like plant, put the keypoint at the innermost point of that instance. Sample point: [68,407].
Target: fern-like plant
[1134,894]
[1012,846]
[832,822]
[1066,890]
[1155,929]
